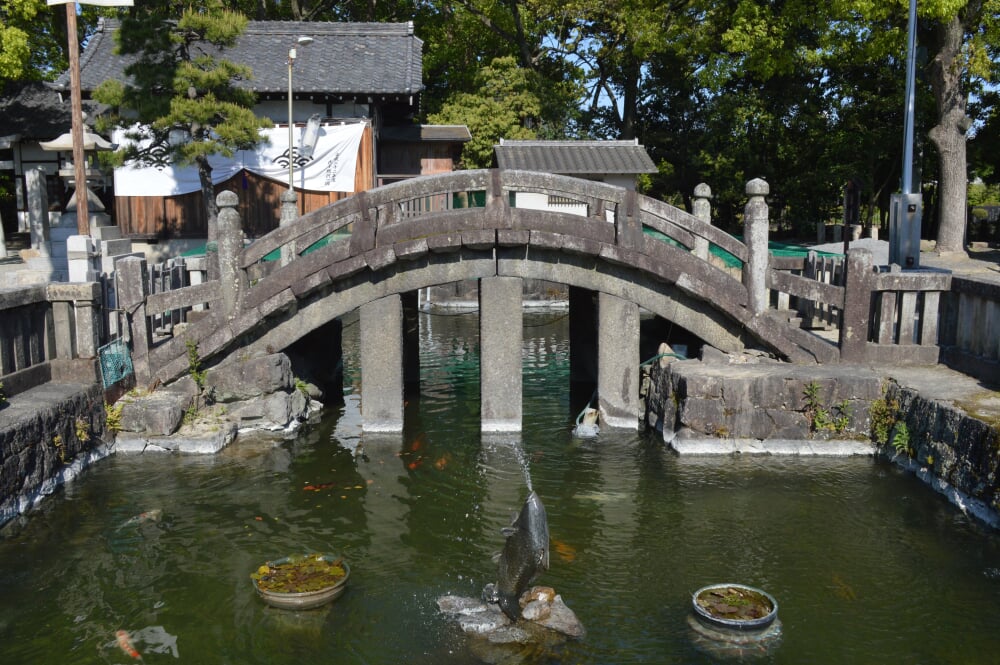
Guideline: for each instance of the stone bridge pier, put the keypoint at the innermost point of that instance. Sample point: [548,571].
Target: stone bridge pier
[612,340]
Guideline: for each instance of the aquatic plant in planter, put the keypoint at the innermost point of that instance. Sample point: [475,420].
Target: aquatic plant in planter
[301,582]
[735,606]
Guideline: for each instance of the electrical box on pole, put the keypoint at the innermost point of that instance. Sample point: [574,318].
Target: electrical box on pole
[905,211]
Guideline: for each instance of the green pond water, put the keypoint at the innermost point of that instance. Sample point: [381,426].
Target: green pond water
[867,564]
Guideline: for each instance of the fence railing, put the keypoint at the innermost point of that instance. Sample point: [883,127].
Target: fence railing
[44,330]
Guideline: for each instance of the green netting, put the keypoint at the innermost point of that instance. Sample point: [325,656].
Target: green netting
[116,362]
[774,247]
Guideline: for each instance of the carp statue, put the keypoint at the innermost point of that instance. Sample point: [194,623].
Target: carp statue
[525,553]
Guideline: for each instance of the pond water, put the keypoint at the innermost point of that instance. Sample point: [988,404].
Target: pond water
[867,564]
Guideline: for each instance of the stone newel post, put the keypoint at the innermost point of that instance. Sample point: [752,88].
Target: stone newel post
[755,231]
[289,213]
[701,206]
[230,244]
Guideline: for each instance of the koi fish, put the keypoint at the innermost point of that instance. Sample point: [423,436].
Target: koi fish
[442,462]
[565,551]
[148,516]
[125,644]
[319,487]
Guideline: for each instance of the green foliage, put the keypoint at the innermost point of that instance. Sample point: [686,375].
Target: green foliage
[177,85]
[837,420]
[901,439]
[57,443]
[33,38]
[3,396]
[113,417]
[884,414]
[195,370]
[503,107]
[191,414]
[82,430]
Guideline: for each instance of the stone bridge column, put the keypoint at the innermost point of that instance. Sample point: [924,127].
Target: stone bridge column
[230,242]
[618,362]
[500,337]
[755,232]
[701,207]
[382,365]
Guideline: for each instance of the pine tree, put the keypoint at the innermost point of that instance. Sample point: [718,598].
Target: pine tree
[177,86]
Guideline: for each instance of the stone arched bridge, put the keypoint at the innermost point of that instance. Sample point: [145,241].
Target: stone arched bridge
[364,251]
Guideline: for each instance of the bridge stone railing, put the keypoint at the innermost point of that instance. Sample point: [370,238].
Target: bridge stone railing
[49,332]
[970,327]
[889,316]
[880,314]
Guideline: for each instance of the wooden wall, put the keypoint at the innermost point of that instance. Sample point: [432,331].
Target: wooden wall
[163,217]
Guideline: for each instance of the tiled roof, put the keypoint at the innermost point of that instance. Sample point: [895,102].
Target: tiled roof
[344,59]
[35,112]
[574,157]
[408,133]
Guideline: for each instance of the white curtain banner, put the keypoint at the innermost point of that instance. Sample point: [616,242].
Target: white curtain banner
[331,168]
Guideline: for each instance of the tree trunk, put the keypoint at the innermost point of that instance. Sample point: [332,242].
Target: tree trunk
[632,72]
[208,195]
[948,136]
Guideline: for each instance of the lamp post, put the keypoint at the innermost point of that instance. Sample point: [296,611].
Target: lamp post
[291,122]
[906,208]
[289,209]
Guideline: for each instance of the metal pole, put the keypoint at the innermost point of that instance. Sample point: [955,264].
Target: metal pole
[76,110]
[291,124]
[908,122]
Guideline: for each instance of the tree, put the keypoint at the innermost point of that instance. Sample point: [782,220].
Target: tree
[178,87]
[32,40]
[962,38]
[502,108]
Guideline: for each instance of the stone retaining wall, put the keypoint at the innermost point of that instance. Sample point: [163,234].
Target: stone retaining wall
[48,435]
[742,404]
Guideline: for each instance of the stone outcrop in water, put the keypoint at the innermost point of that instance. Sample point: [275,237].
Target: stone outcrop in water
[253,393]
[546,622]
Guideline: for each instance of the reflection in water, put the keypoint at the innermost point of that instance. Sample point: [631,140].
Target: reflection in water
[861,558]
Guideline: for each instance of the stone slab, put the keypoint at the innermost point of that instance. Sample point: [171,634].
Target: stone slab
[200,441]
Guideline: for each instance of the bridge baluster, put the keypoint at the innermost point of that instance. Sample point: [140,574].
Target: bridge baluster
[702,209]
[231,277]
[755,231]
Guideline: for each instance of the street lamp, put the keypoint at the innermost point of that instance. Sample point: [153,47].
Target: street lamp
[303,41]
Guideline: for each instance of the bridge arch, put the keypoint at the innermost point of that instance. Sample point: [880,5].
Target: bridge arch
[446,228]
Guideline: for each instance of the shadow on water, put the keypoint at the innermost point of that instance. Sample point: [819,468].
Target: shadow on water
[868,565]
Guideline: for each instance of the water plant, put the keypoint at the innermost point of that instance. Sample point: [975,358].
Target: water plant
[3,397]
[299,574]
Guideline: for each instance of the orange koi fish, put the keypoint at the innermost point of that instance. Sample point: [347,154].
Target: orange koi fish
[125,644]
[319,487]
[565,551]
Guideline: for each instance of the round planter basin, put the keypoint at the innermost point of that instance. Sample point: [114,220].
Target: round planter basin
[735,607]
[300,600]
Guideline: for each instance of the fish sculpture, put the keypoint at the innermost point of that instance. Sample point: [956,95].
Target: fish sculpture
[525,553]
